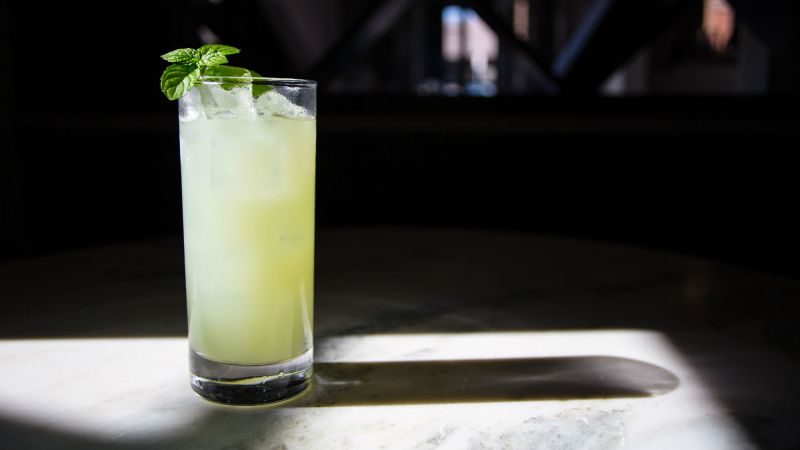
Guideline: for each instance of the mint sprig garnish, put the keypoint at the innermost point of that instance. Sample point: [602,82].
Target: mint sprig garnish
[190,65]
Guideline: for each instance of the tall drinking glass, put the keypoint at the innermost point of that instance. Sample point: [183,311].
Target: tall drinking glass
[248,148]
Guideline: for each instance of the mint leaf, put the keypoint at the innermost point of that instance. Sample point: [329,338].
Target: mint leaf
[181,56]
[214,54]
[259,89]
[177,79]
[224,49]
[212,58]
[226,71]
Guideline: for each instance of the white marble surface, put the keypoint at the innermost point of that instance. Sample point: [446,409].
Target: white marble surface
[425,339]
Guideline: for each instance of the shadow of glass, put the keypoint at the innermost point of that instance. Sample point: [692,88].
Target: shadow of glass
[381,383]
[490,380]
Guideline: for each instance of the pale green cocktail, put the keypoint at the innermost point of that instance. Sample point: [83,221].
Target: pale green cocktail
[248,169]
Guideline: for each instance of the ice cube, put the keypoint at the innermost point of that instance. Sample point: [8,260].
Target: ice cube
[219,103]
[190,106]
[273,103]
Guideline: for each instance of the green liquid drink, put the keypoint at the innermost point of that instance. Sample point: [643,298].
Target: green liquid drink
[247,170]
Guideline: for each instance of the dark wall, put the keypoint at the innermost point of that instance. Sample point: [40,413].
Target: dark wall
[92,155]
[712,177]
[84,156]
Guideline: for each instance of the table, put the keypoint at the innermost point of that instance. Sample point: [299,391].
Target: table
[436,338]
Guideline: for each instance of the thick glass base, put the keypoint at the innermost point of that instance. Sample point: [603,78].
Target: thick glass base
[250,385]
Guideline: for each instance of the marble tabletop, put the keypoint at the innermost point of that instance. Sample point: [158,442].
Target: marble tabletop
[437,338]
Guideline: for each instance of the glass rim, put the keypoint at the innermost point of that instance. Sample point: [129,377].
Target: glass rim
[285,82]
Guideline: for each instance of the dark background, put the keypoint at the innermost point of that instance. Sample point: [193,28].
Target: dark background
[689,150]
